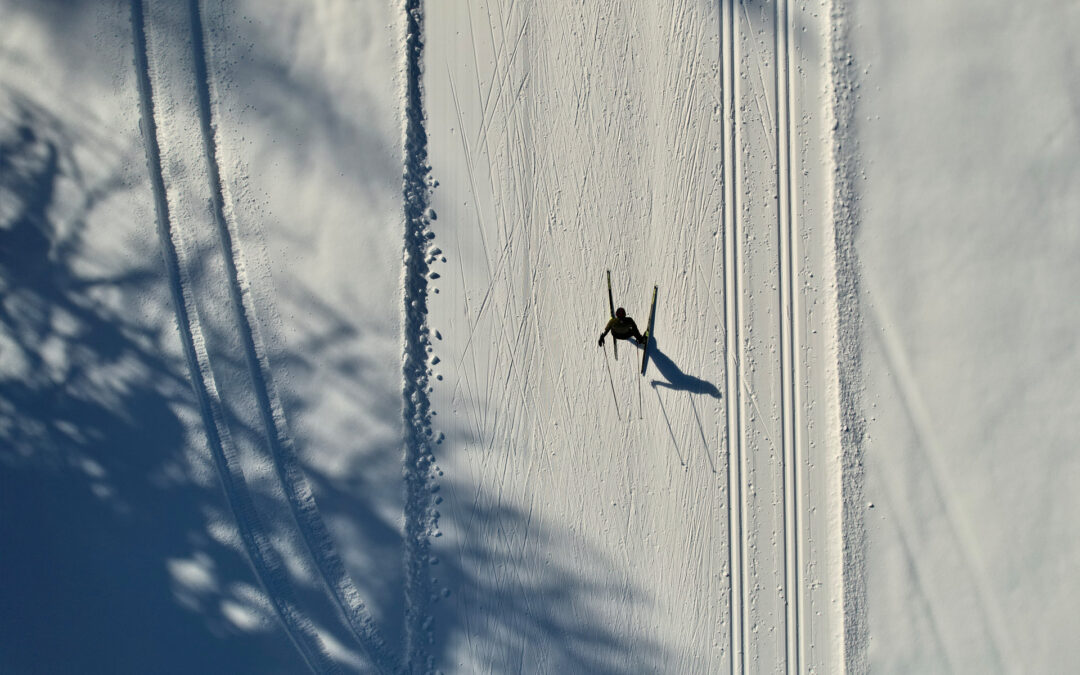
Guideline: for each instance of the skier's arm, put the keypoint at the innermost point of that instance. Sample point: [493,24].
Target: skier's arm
[607,329]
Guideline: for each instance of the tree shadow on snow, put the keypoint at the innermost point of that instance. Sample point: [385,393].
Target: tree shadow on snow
[109,555]
[515,596]
[522,597]
[119,550]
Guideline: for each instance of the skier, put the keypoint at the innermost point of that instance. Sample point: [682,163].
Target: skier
[622,327]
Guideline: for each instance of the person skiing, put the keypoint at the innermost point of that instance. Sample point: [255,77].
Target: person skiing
[622,327]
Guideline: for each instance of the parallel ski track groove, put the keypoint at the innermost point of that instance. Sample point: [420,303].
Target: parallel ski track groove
[265,562]
[282,449]
[738,591]
[789,358]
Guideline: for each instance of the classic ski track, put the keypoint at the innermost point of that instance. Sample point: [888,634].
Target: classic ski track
[282,450]
[791,455]
[738,591]
[265,562]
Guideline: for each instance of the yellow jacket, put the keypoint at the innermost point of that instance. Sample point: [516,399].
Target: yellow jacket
[622,329]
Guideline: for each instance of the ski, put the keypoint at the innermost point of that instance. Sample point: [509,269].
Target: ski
[648,333]
[611,308]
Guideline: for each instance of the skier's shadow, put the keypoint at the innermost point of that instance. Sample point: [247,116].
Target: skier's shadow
[676,378]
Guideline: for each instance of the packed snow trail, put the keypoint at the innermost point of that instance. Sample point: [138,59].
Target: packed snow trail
[207,242]
[264,559]
[686,146]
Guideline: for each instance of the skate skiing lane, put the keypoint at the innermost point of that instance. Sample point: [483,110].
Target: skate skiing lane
[554,165]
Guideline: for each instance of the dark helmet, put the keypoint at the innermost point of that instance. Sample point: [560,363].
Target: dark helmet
[621,313]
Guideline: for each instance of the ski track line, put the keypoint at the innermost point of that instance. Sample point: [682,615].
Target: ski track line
[469,164]
[265,562]
[280,444]
[471,159]
[495,89]
[918,568]
[498,48]
[738,591]
[421,518]
[791,455]
[763,422]
[963,533]
[765,115]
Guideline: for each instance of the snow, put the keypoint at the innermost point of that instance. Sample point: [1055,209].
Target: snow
[298,313]
[968,243]
[543,427]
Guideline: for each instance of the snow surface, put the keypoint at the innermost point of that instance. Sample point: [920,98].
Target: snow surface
[969,242]
[298,313]
[671,522]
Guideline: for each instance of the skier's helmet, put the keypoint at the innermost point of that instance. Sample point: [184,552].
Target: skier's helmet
[621,313]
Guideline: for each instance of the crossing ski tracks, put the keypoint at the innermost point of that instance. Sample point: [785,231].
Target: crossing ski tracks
[680,197]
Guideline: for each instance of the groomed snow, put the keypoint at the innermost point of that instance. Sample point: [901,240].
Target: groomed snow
[299,304]
[596,520]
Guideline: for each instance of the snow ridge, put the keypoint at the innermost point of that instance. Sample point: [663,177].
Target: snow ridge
[421,518]
[845,219]
[267,565]
[738,600]
[286,462]
[790,401]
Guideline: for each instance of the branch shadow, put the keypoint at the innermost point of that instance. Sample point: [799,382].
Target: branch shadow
[110,553]
[543,606]
[118,547]
[513,596]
